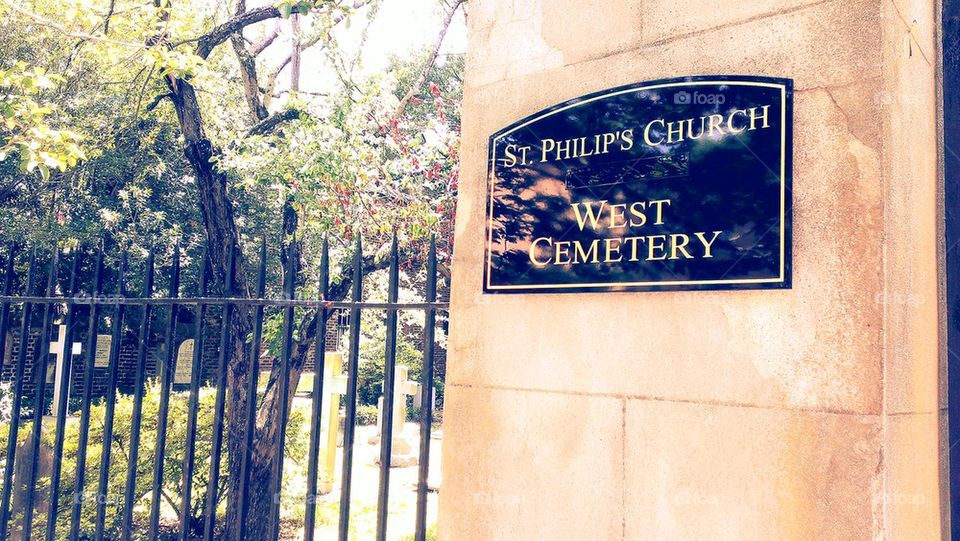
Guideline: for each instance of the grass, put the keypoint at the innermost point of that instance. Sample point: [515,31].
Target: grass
[431,534]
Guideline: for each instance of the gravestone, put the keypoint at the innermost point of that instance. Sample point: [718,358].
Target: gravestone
[101,358]
[57,351]
[7,349]
[334,386]
[404,451]
[184,369]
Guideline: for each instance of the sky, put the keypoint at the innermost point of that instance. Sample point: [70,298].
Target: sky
[401,27]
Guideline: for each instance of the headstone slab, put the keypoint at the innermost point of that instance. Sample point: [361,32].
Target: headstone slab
[671,184]
[7,349]
[101,358]
[183,372]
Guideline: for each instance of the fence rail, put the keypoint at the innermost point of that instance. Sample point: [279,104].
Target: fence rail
[118,303]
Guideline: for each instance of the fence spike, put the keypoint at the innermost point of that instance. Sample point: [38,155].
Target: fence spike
[252,377]
[116,335]
[389,374]
[89,367]
[40,389]
[350,421]
[25,316]
[62,393]
[219,405]
[189,460]
[140,374]
[8,278]
[166,381]
[316,414]
[426,394]
[289,292]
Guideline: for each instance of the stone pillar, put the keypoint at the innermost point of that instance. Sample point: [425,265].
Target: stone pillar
[809,413]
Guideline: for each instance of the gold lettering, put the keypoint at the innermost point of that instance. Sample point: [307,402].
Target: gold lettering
[608,138]
[633,246]
[715,122]
[754,117]
[610,250]
[730,125]
[652,245]
[659,204]
[583,148]
[561,248]
[646,133]
[707,245]
[671,132]
[534,250]
[638,213]
[690,134]
[674,245]
[546,146]
[589,213]
[523,154]
[627,137]
[511,158]
[586,256]
[618,211]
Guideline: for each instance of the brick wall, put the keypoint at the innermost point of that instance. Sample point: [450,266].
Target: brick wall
[129,346]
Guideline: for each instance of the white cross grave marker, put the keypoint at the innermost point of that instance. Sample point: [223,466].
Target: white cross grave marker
[57,349]
[335,385]
[401,451]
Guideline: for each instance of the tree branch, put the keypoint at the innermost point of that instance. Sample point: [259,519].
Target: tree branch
[156,101]
[295,53]
[210,40]
[106,19]
[83,36]
[267,125]
[425,70]
[261,45]
[248,70]
[310,42]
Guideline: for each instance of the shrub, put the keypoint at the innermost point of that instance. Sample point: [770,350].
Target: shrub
[366,414]
[296,444]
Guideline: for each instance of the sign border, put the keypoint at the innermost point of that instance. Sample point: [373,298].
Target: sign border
[784,281]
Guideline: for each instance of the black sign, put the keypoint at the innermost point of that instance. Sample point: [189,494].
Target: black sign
[671,184]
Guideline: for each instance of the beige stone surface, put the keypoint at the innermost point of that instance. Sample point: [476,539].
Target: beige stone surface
[605,27]
[532,466]
[810,413]
[825,44]
[912,476]
[718,472]
[675,20]
[911,231]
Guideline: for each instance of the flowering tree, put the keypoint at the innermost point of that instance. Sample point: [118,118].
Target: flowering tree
[188,119]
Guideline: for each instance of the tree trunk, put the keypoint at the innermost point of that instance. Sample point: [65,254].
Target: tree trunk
[222,236]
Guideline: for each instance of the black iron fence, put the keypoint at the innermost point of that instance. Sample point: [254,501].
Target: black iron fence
[52,500]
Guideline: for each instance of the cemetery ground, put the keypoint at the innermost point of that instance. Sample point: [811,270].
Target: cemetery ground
[403,480]
[363,507]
